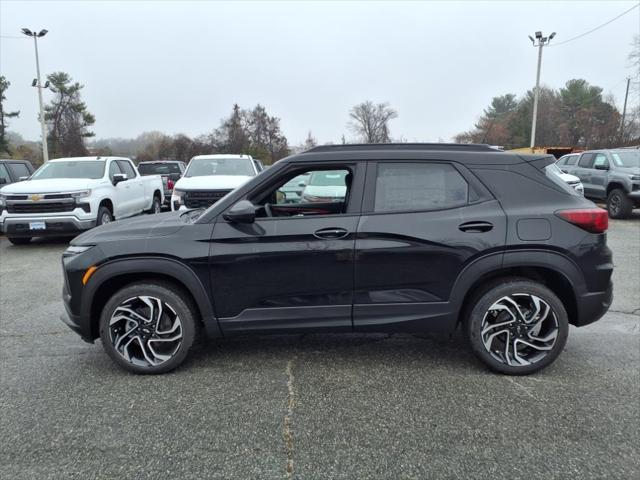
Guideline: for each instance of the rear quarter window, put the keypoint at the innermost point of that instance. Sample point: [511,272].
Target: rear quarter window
[419,186]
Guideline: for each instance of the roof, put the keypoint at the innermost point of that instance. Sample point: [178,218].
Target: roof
[471,154]
[87,159]
[221,155]
[160,161]
[462,147]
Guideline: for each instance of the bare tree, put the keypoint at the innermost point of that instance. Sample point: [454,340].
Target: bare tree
[370,122]
[310,141]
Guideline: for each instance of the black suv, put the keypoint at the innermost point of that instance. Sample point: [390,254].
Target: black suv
[392,238]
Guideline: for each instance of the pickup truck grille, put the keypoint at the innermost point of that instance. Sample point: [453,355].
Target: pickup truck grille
[203,198]
[48,207]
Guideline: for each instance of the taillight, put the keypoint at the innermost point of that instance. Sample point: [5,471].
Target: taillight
[594,220]
[169,184]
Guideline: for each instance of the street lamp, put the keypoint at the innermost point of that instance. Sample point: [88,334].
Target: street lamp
[39,86]
[540,41]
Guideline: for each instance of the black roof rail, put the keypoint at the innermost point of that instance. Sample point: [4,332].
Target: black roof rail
[351,147]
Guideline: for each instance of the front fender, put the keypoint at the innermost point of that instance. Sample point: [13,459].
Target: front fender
[166,267]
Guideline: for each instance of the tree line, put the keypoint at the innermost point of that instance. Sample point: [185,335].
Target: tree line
[578,114]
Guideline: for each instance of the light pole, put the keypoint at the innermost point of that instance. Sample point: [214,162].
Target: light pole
[541,42]
[39,86]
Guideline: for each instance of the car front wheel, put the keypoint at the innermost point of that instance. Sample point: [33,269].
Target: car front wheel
[618,204]
[148,327]
[517,326]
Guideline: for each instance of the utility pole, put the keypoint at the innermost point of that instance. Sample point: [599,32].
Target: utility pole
[624,110]
[542,41]
[39,86]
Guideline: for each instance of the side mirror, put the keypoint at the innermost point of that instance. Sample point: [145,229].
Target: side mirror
[22,179]
[242,212]
[3,181]
[119,177]
[302,184]
[602,167]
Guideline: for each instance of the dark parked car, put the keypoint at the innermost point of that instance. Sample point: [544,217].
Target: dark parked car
[426,238]
[170,170]
[12,171]
[609,175]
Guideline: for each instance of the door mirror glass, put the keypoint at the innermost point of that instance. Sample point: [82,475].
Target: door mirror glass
[119,177]
[242,212]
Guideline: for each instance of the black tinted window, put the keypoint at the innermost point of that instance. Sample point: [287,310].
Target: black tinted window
[585,160]
[127,169]
[19,169]
[419,186]
[158,168]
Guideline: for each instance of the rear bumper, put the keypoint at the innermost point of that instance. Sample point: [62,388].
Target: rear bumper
[55,226]
[592,306]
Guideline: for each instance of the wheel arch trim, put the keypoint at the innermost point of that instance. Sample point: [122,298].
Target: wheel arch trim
[167,267]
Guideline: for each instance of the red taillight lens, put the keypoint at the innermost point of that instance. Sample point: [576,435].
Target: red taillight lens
[594,220]
[169,184]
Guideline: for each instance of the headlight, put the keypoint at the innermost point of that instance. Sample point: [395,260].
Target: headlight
[178,193]
[635,177]
[81,194]
[2,200]
[76,249]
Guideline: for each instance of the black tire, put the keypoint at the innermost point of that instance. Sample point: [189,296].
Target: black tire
[19,240]
[104,216]
[519,288]
[178,302]
[156,205]
[619,205]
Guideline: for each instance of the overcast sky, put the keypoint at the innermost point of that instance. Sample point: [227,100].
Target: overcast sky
[178,67]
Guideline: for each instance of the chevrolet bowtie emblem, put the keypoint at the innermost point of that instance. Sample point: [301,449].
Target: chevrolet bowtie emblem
[36,197]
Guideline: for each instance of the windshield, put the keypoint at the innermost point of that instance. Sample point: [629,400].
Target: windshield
[93,169]
[199,167]
[626,159]
[158,168]
[333,178]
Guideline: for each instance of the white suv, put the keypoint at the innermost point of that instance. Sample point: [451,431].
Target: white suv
[68,195]
[210,177]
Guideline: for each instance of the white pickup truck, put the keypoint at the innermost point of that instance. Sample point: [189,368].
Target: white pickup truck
[69,195]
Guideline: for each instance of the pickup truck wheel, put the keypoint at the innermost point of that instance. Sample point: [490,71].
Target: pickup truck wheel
[517,326]
[156,206]
[618,204]
[104,216]
[19,240]
[148,327]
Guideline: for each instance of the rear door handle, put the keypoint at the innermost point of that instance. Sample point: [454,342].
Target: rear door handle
[475,227]
[330,233]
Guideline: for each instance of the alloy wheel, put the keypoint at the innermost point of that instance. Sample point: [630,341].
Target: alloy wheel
[106,218]
[157,208]
[145,331]
[614,204]
[519,329]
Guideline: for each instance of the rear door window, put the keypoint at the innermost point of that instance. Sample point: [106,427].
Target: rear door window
[419,186]
[586,160]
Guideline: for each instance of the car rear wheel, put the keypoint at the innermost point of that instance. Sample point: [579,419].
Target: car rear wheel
[517,326]
[19,240]
[618,204]
[156,206]
[148,328]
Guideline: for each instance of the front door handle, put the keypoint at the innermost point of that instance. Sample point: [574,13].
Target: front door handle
[475,227]
[330,233]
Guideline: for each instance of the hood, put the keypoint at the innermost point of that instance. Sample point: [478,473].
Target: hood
[142,226]
[628,170]
[211,182]
[567,177]
[49,185]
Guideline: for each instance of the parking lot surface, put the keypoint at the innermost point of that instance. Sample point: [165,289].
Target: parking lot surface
[313,406]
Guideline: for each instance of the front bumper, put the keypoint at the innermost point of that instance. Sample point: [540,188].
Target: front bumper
[593,305]
[54,226]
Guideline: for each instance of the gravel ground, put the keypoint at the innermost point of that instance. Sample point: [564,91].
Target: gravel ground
[313,406]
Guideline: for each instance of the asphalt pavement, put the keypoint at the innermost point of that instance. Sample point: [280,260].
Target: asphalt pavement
[313,406]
